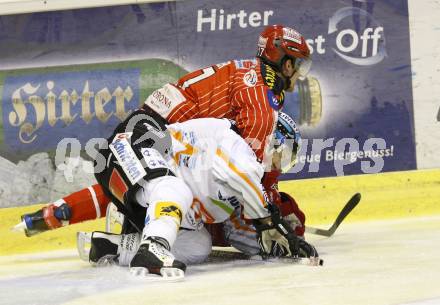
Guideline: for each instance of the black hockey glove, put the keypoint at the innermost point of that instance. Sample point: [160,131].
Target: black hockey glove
[305,249]
[277,238]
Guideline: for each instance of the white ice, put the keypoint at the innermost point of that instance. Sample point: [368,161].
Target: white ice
[390,262]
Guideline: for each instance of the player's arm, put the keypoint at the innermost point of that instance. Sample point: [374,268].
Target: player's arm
[277,234]
[243,173]
[237,167]
[289,208]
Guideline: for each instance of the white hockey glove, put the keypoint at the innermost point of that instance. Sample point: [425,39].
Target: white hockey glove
[277,238]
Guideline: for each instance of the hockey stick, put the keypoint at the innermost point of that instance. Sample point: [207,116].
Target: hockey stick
[351,204]
[223,256]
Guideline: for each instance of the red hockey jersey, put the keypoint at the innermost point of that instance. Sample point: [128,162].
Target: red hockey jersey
[237,90]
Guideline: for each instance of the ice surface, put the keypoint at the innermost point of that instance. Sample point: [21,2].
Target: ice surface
[393,262]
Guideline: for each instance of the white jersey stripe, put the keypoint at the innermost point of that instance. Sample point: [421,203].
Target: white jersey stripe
[95,201]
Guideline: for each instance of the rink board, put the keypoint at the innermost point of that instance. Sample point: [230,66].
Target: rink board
[384,196]
[361,93]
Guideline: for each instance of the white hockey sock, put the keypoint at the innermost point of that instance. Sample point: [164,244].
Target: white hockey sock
[164,227]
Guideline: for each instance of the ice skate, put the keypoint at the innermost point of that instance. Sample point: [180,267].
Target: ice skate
[154,257]
[48,218]
[104,249]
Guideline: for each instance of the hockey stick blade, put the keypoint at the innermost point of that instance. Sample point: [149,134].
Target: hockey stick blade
[351,204]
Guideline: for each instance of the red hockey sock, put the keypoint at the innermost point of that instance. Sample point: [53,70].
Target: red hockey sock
[86,204]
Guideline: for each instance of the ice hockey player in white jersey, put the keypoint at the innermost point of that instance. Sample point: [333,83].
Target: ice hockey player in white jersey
[199,171]
[180,176]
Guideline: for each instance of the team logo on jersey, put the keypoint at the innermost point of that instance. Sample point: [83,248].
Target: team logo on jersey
[127,158]
[165,99]
[250,78]
[153,159]
[232,200]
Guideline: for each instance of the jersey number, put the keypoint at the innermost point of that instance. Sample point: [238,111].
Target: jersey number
[207,72]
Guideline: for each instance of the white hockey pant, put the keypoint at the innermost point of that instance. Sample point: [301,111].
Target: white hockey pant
[167,199]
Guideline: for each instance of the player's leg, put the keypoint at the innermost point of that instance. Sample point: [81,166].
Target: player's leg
[142,185]
[241,235]
[86,204]
[169,200]
[190,247]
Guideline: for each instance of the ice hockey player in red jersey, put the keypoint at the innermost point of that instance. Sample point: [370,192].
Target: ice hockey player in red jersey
[250,92]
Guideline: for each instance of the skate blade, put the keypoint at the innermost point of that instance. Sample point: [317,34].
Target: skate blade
[83,244]
[19,228]
[172,274]
[166,274]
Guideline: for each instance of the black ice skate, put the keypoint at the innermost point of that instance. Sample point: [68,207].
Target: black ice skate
[154,257]
[48,218]
[104,248]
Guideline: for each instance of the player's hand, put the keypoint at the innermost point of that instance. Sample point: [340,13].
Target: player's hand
[305,250]
[277,238]
[274,231]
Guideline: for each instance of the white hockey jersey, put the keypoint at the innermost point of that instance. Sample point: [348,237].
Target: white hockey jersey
[220,168]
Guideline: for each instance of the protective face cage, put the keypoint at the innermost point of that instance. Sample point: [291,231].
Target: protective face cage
[303,66]
[287,141]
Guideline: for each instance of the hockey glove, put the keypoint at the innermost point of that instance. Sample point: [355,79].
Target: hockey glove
[277,238]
